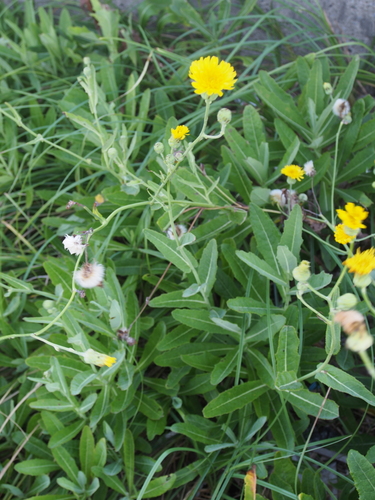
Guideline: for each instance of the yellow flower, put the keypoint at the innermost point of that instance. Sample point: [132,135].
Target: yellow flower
[293,172]
[179,133]
[361,263]
[352,216]
[96,358]
[211,77]
[341,236]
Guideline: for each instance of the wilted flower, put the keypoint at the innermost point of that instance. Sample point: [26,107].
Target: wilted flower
[309,169]
[281,197]
[211,77]
[353,324]
[341,108]
[180,230]
[96,358]
[90,275]
[74,244]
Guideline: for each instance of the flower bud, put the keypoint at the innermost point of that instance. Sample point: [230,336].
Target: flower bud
[302,272]
[302,197]
[159,148]
[112,153]
[347,301]
[362,280]
[327,88]
[224,116]
[169,159]
[178,156]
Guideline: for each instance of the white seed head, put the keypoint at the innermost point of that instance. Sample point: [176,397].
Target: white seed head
[74,244]
[341,108]
[180,230]
[90,275]
[309,168]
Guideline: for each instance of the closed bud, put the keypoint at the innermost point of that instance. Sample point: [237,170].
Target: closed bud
[178,155]
[362,280]
[327,88]
[347,301]
[302,272]
[302,197]
[169,159]
[224,116]
[112,153]
[159,148]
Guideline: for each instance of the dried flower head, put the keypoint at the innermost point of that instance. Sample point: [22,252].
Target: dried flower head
[341,108]
[352,216]
[96,358]
[353,324]
[180,230]
[90,275]
[180,132]
[293,172]
[74,244]
[361,263]
[341,236]
[211,76]
[309,169]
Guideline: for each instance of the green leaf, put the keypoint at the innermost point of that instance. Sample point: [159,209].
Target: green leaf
[86,451]
[363,474]
[312,404]
[208,266]
[292,235]
[286,260]
[15,284]
[265,327]
[253,129]
[234,398]
[157,487]
[178,336]
[128,455]
[148,406]
[251,306]
[195,432]
[343,382]
[238,175]
[261,266]
[168,248]
[51,405]
[266,234]
[150,350]
[80,381]
[224,367]
[66,434]
[112,482]
[101,406]
[176,300]
[67,463]
[287,356]
[201,320]
[361,162]
[36,467]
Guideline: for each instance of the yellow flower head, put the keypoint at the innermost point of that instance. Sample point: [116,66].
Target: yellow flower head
[293,172]
[211,77]
[341,236]
[352,216]
[361,263]
[179,133]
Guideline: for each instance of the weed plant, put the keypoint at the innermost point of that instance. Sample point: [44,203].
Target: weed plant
[177,266]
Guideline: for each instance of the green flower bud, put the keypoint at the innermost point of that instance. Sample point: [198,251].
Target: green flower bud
[347,301]
[169,159]
[362,280]
[302,197]
[327,88]
[224,116]
[302,272]
[112,153]
[159,148]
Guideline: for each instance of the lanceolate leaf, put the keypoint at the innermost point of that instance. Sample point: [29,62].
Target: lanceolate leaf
[235,398]
[292,235]
[261,267]
[363,474]
[208,266]
[266,235]
[342,381]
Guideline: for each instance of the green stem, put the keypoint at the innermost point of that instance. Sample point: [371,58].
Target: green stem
[368,363]
[334,175]
[367,300]
[300,297]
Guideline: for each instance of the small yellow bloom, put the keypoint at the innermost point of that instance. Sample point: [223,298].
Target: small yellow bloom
[361,263]
[179,133]
[96,358]
[211,77]
[352,216]
[341,236]
[293,172]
